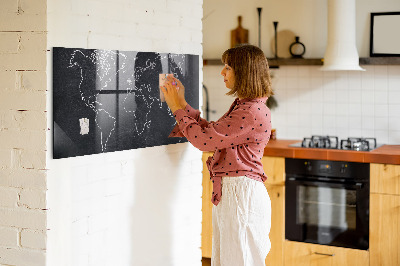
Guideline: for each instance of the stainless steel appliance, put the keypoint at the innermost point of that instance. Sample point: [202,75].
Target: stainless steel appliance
[332,142]
[327,202]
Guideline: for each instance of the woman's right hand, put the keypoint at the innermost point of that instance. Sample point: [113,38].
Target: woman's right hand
[181,91]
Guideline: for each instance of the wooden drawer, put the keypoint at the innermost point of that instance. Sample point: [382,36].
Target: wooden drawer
[304,254]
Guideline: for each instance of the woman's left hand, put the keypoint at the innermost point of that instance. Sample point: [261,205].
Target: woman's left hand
[170,91]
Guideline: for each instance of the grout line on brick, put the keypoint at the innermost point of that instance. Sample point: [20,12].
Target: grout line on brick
[20,10]
[87,39]
[32,31]
[18,79]
[19,43]
[19,237]
[19,198]
[16,158]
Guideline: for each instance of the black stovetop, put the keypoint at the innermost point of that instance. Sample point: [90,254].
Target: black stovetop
[332,142]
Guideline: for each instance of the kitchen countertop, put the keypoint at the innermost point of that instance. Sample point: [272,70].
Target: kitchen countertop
[389,154]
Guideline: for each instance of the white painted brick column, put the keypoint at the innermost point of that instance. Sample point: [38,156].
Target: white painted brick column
[23,40]
[131,207]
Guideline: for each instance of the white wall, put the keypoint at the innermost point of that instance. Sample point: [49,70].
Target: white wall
[135,207]
[343,104]
[23,133]
[311,102]
[304,18]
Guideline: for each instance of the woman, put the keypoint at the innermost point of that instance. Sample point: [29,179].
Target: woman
[242,208]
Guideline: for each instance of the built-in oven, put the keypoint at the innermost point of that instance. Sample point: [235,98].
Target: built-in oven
[327,202]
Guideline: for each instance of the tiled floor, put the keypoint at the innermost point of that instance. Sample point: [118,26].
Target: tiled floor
[206,261]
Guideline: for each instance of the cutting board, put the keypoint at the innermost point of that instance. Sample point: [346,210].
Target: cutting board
[239,35]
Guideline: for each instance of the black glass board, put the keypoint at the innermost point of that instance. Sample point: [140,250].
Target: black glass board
[109,100]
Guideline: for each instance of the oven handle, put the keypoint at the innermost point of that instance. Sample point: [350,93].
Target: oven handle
[357,185]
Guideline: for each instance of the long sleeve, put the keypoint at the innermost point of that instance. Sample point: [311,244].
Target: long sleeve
[238,140]
[232,130]
[193,113]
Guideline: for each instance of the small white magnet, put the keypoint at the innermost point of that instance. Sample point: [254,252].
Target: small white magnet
[84,123]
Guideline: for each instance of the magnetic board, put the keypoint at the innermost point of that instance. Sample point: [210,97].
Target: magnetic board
[109,100]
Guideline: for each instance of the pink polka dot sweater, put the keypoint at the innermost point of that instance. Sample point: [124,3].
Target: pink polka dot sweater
[238,139]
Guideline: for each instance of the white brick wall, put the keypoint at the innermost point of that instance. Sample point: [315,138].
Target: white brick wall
[9,237]
[24,256]
[23,132]
[100,206]
[23,178]
[9,197]
[33,239]
[135,207]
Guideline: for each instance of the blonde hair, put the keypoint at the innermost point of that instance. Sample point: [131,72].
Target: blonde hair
[250,66]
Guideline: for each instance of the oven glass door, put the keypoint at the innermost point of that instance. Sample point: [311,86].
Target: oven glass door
[326,213]
[326,207]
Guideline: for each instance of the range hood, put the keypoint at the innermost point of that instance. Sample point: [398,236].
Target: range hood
[341,51]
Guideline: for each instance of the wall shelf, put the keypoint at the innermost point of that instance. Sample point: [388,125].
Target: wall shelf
[274,63]
[380,61]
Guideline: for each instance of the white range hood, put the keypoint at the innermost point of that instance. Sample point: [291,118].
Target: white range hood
[341,51]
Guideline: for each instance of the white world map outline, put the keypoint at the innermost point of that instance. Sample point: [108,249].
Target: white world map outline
[104,70]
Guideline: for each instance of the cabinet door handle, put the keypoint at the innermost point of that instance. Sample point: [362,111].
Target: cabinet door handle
[324,254]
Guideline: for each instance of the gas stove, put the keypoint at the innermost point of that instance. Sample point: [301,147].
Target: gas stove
[332,142]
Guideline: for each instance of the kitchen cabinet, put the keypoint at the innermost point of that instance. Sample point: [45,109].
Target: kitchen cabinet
[305,254]
[274,168]
[385,230]
[206,225]
[384,248]
[385,178]
[277,233]
[385,214]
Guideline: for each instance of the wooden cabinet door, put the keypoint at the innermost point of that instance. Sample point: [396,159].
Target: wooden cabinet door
[277,233]
[385,178]
[206,226]
[384,236]
[274,168]
[304,254]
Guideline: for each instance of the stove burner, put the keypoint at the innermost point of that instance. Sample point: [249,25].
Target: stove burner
[328,142]
[358,144]
[332,142]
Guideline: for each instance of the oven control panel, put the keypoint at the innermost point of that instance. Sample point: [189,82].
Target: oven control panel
[325,167]
[338,169]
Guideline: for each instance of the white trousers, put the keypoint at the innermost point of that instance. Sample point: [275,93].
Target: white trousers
[241,223]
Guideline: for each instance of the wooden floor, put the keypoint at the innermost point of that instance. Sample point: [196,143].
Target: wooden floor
[206,261]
